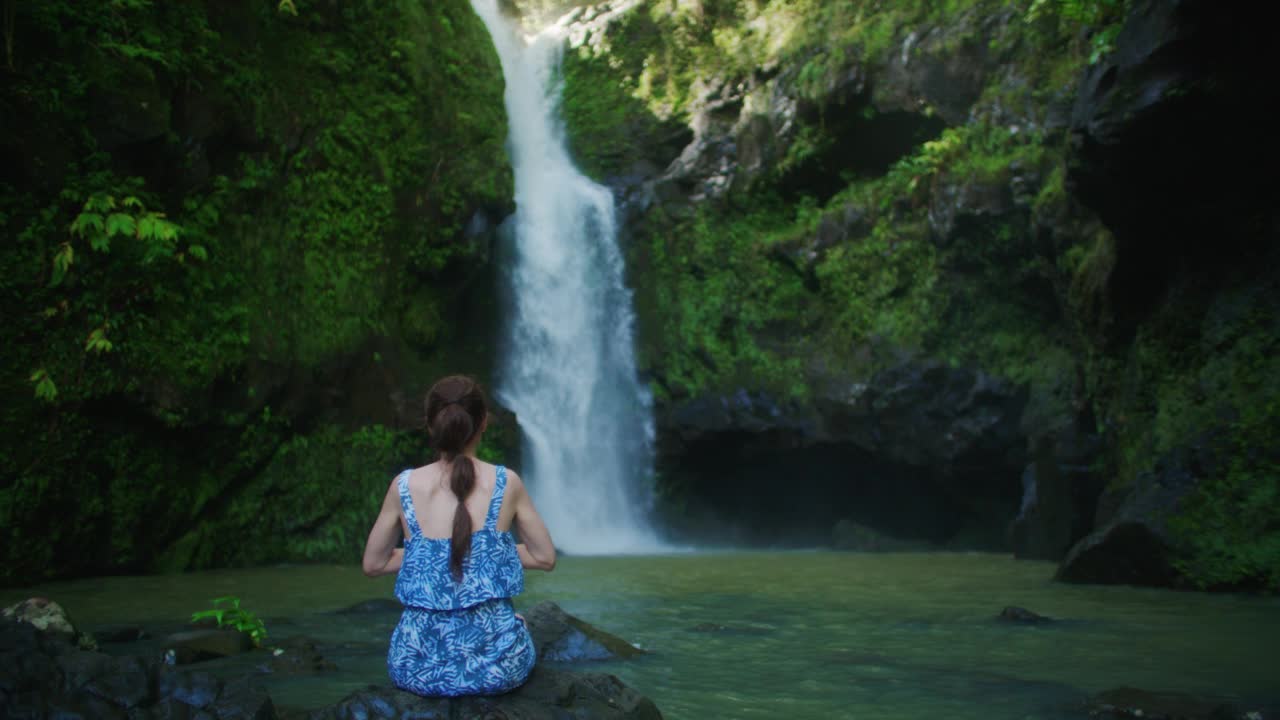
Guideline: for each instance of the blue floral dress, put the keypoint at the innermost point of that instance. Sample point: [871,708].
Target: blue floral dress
[459,638]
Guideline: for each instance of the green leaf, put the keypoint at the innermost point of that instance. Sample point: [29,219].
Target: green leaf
[86,222]
[131,202]
[45,389]
[61,263]
[99,203]
[121,224]
[147,227]
[216,614]
[97,341]
[198,252]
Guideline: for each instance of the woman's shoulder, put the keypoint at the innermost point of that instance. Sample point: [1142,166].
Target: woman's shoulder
[492,468]
[514,484]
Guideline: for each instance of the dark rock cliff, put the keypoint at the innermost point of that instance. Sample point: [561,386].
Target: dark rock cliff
[984,276]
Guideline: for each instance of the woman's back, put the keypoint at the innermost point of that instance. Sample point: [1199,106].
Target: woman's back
[491,569]
[435,502]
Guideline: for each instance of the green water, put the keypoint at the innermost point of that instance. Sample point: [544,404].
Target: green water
[806,634]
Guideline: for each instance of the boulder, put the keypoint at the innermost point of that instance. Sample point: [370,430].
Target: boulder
[1133,544]
[549,693]
[1015,614]
[42,614]
[48,616]
[196,645]
[561,637]
[120,634]
[1127,702]
[299,656]
[44,674]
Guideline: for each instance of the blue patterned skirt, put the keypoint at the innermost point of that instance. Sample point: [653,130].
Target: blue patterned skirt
[480,650]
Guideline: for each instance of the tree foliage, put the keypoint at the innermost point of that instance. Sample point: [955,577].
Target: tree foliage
[213,205]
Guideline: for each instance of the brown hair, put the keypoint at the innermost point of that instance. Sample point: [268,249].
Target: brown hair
[455,414]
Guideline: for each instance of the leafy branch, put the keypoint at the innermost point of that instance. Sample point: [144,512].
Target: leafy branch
[227,613]
[103,220]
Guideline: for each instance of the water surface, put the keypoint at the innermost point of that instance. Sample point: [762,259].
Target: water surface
[785,634]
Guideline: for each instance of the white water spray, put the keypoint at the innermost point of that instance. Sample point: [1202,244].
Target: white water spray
[568,365]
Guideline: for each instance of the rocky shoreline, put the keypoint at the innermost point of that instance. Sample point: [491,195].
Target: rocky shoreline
[50,669]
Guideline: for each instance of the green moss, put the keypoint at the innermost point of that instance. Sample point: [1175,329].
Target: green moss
[334,481]
[320,169]
[1204,376]
[883,287]
[722,297]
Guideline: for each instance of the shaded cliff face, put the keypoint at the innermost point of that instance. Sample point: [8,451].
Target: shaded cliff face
[841,216]
[330,177]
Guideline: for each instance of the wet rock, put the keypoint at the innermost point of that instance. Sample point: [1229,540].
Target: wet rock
[561,637]
[299,656]
[43,674]
[48,616]
[1179,77]
[920,451]
[196,645]
[1127,702]
[1015,614]
[955,203]
[945,67]
[42,614]
[549,693]
[1133,544]
[922,413]
[116,635]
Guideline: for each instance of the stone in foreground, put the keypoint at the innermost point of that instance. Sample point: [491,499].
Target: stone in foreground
[561,637]
[44,675]
[549,693]
[1127,702]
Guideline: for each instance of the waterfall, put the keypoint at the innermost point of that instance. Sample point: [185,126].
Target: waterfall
[568,363]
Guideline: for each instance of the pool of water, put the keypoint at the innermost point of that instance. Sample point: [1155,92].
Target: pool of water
[783,634]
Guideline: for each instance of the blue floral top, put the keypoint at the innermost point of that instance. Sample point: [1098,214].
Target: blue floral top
[491,570]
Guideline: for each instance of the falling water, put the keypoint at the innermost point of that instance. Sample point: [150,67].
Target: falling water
[568,366]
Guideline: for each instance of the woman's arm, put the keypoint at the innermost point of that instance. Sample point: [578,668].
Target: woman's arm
[381,556]
[527,560]
[537,552]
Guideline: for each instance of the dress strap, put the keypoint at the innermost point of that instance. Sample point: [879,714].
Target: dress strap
[406,503]
[495,504]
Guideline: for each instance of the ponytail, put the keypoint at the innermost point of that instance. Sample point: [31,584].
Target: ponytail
[455,413]
[462,480]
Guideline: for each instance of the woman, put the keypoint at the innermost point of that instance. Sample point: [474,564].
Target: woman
[459,634]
